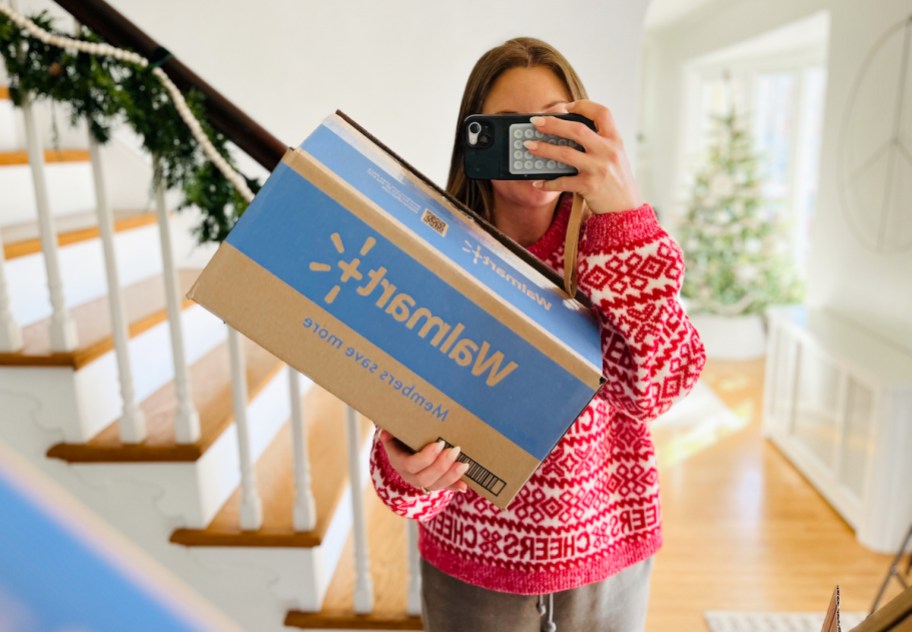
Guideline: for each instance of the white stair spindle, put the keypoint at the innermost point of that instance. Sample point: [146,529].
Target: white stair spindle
[10,332]
[251,505]
[364,591]
[413,598]
[186,423]
[132,420]
[63,329]
[305,512]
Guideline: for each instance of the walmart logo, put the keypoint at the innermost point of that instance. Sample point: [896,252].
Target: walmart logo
[349,268]
[479,256]
[375,286]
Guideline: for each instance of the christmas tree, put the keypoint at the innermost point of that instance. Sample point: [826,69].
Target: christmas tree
[736,247]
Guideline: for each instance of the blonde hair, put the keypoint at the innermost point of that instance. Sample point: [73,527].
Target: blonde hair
[519,52]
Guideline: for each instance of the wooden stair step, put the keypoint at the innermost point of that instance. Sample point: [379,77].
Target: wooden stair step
[19,158]
[274,471]
[386,541]
[210,384]
[24,239]
[145,307]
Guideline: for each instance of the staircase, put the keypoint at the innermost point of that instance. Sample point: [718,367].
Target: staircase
[181,497]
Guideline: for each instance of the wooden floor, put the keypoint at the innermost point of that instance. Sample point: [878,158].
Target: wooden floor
[743,530]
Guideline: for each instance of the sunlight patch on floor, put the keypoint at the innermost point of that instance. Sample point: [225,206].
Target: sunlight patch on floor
[694,424]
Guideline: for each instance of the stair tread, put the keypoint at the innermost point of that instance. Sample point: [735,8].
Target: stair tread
[144,302]
[24,239]
[274,472]
[386,541]
[210,385]
[17,158]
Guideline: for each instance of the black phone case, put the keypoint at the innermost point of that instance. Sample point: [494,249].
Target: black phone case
[491,160]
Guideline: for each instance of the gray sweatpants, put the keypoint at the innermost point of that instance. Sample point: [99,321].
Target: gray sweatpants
[617,604]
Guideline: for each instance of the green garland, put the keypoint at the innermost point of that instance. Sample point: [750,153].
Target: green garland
[106,92]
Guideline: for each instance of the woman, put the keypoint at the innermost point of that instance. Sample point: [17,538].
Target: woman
[573,550]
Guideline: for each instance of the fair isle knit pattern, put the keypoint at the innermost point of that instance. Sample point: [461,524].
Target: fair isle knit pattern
[592,508]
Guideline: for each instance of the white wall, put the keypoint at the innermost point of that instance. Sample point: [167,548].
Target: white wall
[667,49]
[872,289]
[397,67]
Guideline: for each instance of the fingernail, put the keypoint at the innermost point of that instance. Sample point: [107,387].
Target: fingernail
[462,468]
[531,144]
[537,120]
[537,184]
[455,452]
[439,446]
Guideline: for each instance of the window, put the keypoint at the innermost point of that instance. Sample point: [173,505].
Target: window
[776,84]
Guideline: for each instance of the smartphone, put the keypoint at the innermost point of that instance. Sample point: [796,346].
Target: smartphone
[494,147]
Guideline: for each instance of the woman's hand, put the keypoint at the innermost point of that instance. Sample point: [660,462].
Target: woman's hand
[605,179]
[431,469]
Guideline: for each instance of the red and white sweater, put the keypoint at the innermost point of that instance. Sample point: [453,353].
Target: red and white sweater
[591,509]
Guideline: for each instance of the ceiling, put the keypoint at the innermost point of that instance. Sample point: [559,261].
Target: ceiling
[661,13]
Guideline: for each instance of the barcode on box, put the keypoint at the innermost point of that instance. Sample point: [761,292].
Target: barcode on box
[434,222]
[479,474]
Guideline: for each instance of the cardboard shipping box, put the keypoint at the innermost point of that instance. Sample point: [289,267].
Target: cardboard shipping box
[351,267]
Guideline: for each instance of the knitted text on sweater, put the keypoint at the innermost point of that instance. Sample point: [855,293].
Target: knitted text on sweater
[591,509]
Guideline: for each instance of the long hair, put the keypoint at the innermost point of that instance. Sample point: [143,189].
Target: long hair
[520,52]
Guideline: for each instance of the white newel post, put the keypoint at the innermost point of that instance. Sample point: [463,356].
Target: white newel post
[132,420]
[63,329]
[413,598]
[186,423]
[251,505]
[364,591]
[305,512]
[10,332]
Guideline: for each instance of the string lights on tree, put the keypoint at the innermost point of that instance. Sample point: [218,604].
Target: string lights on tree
[735,246]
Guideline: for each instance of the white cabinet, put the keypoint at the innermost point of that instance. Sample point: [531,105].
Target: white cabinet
[838,404]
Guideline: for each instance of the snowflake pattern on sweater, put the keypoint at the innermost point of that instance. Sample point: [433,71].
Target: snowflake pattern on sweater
[591,509]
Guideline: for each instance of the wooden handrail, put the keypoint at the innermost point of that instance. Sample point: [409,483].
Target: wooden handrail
[223,115]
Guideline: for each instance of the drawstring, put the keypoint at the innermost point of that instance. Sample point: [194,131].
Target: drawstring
[549,626]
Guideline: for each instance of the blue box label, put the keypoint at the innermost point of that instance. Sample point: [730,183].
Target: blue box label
[379,178]
[335,259]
